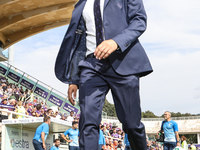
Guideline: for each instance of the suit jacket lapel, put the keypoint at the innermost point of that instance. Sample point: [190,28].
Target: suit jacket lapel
[105,3]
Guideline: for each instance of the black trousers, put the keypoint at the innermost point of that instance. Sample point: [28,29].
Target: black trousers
[97,77]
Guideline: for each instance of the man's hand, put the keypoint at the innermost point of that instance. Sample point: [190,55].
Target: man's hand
[72,89]
[70,140]
[44,146]
[104,49]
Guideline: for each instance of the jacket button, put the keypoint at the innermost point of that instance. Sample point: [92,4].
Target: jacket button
[106,24]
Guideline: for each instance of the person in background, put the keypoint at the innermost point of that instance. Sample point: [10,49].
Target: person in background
[20,109]
[102,142]
[71,117]
[38,110]
[127,147]
[41,134]
[120,147]
[56,145]
[49,112]
[184,144]
[115,134]
[115,144]
[73,134]
[119,132]
[192,147]
[170,129]
[105,130]
[107,146]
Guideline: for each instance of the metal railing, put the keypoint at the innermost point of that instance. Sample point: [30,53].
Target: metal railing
[11,113]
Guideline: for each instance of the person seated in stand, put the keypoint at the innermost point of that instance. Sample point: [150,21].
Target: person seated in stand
[120,147]
[20,109]
[115,134]
[111,144]
[71,117]
[38,110]
[33,113]
[115,143]
[119,132]
[120,142]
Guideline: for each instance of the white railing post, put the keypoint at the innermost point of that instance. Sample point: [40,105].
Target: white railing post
[10,115]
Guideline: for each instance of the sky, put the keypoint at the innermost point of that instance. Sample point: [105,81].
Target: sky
[171,41]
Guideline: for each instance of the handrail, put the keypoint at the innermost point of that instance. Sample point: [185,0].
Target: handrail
[10,113]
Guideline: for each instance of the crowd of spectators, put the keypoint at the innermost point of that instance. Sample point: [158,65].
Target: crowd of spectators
[14,97]
[115,139]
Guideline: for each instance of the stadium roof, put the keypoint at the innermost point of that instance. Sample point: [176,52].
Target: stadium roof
[20,19]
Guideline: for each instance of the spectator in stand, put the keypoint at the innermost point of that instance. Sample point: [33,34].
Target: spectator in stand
[21,98]
[57,115]
[56,145]
[26,106]
[20,109]
[73,134]
[63,117]
[170,129]
[26,94]
[115,144]
[119,132]
[115,134]
[9,89]
[192,147]
[111,144]
[105,130]
[41,134]
[120,147]
[184,144]
[71,117]
[112,128]
[49,112]
[1,91]
[120,142]
[4,102]
[31,96]
[107,146]
[33,113]
[38,110]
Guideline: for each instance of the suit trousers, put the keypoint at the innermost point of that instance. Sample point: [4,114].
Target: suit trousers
[96,79]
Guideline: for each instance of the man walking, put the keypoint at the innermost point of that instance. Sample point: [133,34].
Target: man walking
[73,134]
[101,51]
[41,134]
[170,129]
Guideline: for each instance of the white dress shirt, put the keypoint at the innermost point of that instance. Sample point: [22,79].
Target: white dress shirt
[88,15]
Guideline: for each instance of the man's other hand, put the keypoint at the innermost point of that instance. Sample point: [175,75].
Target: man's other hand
[72,90]
[104,49]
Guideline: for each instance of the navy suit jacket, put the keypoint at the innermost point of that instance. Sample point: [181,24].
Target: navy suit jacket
[124,21]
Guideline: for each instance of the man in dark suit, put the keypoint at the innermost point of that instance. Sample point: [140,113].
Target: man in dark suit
[101,51]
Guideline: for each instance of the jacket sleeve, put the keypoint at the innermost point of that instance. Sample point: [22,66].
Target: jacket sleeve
[137,24]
